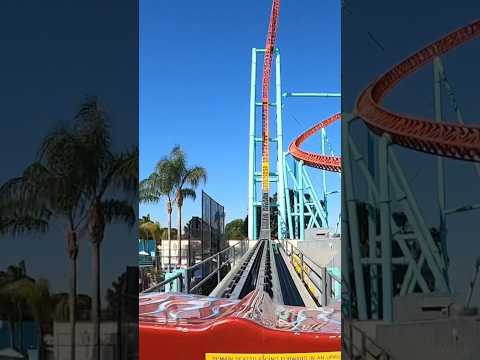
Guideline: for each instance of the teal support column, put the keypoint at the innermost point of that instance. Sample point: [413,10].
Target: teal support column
[251,151]
[324,180]
[280,172]
[386,233]
[287,200]
[296,210]
[254,222]
[314,198]
[351,235]
[372,241]
[301,202]
[442,196]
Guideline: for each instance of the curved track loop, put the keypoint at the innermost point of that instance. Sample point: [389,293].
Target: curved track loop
[448,140]
[329,163]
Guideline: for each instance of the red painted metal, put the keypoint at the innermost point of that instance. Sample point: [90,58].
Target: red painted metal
[324,162]
[179,326]
[443,139]
[267,67]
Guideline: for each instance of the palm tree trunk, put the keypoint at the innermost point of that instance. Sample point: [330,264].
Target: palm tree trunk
[72,254]
[11,329]
[40,343]
[179,261]
[169,210]
[96,299]
[96,230]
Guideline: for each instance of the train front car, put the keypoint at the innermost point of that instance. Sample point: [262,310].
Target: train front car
[181,326]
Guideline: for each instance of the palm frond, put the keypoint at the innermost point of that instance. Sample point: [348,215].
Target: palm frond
[125,171]
[119,210]
[149,190]
[58,152]
[196,175]
[17,225]
[188,193]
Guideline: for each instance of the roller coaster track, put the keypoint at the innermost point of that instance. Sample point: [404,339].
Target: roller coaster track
[442,139]
[324,162]
[267,67]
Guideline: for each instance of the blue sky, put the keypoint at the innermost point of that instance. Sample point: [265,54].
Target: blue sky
[195,86]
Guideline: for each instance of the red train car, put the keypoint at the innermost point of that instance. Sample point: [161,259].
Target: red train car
[191,327]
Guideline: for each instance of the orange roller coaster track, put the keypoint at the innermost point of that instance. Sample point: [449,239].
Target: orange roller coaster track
[442,139]
[324,162]
[267,67]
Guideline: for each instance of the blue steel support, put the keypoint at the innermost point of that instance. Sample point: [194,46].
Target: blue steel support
[328,95]
[287,191]
[254,176]
[280,172]
[287,217]
[323,214]
[301,210]
[324,179]
[251,152]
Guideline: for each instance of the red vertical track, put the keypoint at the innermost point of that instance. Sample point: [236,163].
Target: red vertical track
[267,67]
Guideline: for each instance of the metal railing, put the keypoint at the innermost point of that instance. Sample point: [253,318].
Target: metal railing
[319,282]
[366,348]
[356,343]
[186,281]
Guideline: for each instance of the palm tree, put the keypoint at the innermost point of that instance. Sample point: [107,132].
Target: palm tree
[186,180]
[108,176]
[160,184]
[175,181]
[52,186]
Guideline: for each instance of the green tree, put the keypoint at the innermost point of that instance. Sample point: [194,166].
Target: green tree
[9,298]
[151,230]
[235,230]
[21,297]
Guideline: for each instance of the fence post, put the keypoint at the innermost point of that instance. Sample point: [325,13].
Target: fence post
[218,268]
[233,256]
[187,281]
[301,265]
[291,254]
[329,285]
[364,345]
[180,283]
[324,287]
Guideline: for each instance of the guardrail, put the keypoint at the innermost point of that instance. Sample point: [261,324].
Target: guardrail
[185,280]
[318,280]
[356,343]
[365,348]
